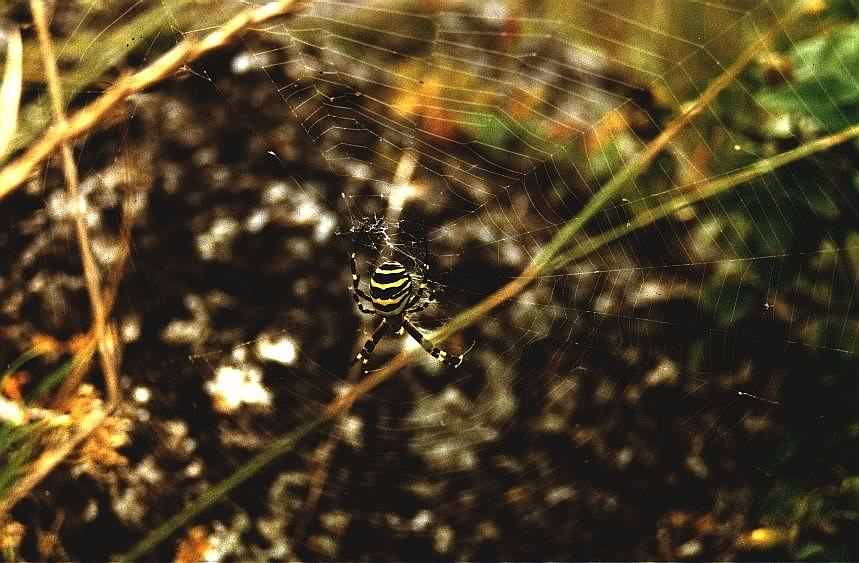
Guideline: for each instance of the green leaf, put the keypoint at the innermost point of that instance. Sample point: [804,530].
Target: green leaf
[843,9]
[825,85]
[490,129]
[18,447]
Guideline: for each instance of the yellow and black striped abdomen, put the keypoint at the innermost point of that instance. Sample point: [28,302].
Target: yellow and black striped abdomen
[390,289]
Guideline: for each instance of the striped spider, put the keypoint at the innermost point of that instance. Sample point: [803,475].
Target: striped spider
[395,293]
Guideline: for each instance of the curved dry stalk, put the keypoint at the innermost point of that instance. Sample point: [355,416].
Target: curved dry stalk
[70,171]
[189,50]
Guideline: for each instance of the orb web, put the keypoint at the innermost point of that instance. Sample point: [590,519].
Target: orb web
[464,136]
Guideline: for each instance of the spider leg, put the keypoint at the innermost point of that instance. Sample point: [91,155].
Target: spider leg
[431,293]
[450,361]
[418,307]
[361,307]
[357,293]
[414,303]
[364,355]
[426,293]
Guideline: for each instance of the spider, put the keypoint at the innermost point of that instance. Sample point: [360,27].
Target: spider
[394,294]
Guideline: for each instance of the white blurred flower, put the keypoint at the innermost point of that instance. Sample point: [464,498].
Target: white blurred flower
[234,387]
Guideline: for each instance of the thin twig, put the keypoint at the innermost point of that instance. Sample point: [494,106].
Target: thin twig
[70,171]
[189,50]
[124,248]
[71,382]
[321,459]
[318,477]
[49,460]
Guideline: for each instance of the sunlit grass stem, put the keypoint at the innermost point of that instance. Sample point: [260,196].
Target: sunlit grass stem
[279,447]
[70,172]
[692,194]
[18,171]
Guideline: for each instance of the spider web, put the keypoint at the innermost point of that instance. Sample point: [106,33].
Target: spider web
[464,136]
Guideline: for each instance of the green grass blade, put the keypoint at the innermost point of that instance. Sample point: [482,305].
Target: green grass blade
[21,360]
[280,447]
[18,447]
[701,192]
[49,383]
[635,167]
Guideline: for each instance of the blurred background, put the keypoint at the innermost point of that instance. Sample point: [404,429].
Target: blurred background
[677,388]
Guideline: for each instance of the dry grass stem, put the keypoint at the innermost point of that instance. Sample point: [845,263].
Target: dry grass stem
[92,420]
[91,274]
[19,170]
[108,298]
